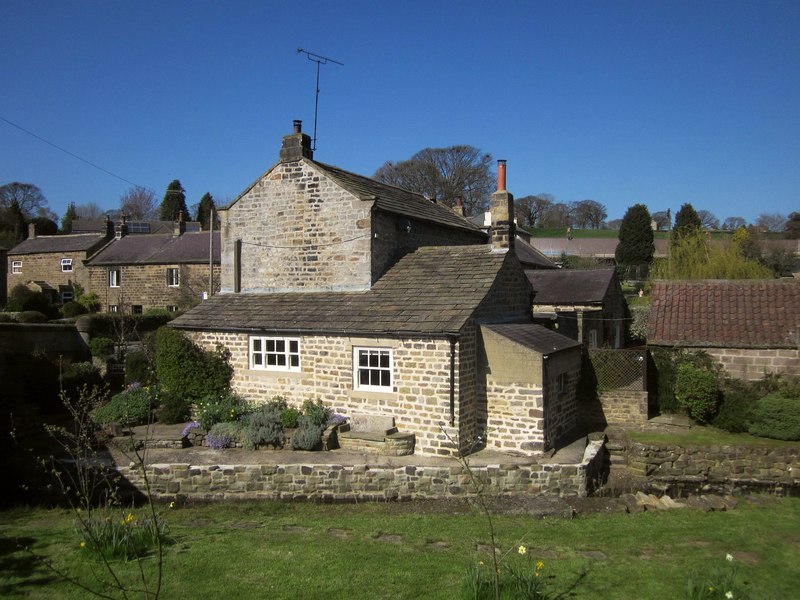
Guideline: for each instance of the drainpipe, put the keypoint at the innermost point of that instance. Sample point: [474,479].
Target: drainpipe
[452,381]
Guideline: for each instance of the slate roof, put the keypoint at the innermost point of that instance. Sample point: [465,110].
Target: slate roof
[433,290]
[134,227]
[535,337]
[158,249]
[397,200]
[741,314]
[57,243]
[531,257]
[570,286]
[598,247]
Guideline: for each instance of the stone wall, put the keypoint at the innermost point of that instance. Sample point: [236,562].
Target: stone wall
[47,267]
[299,231]
[363,482]
[616,407]
[45,338]
[751,364]
[146,286]
[733,465]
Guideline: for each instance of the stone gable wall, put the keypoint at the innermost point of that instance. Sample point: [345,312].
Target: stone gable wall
[300,232]
[47,267]
[561,405]
[146,285]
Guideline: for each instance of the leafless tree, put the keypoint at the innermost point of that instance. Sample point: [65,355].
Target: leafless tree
[530,209]
[708,220]
[139,204]
[89,211]
[589,214]
[733,223]
[444,174]
[558,215]
[28,197]
[771,222]
[661,218]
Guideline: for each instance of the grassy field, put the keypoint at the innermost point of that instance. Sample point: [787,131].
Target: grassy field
[277,550]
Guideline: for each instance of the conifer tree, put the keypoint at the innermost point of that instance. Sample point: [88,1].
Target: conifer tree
[204,211]
[68,218]
[636,245]
[174,202]
[687,220]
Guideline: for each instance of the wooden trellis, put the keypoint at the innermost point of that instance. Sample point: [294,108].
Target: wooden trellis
[619,369]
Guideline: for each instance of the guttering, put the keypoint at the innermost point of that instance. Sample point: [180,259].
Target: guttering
[400,334]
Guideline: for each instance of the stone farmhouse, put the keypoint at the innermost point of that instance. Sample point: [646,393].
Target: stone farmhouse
[171,271]
[585,305]
[751,327]
[385,304]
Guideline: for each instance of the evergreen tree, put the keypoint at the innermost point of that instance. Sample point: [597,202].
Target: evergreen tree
[687,220]
[204,211]
[793,226]
[636,245]
[68,218]
[174,202]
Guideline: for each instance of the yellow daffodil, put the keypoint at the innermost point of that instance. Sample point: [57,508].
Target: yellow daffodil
[540,565]
[83,544]
[172,504]
[128,519]
[729,594]
[522,549]
[729,557]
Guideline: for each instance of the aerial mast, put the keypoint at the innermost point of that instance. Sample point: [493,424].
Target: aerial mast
[320,60]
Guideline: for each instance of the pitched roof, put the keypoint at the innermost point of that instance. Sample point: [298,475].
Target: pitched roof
[57,243]
[158,249]
[134,227]
[742,314]
[433,290]
[535,337]
[397,200]
[531,257]
[598,247]
[570,286]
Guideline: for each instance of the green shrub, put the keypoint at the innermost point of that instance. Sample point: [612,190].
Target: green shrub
[73,309]
[79,375]
[185,368]
[213,409]
[102,347]
[173,408]
[308,435]
[90,301]
[666,362]
[7,318]
[138,368]
[277,404]
[128,408]
[289,417]
[776,416]
[738,399]
[316,412]
[32,316]
[263,427]
[696,390]
[224,435]
[22,299]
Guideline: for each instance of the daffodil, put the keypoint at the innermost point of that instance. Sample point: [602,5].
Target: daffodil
[729,558]
[172,504]
[83,544]
[540,565]
[522,549]
[128,519]
[729,594]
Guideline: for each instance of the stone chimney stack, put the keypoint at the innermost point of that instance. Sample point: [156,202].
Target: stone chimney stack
[179,226]
[122,228]
[109,228]
[296,145]
[502,208]
[31,231]
[459,206]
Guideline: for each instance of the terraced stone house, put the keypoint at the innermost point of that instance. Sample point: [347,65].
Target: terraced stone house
[381,302]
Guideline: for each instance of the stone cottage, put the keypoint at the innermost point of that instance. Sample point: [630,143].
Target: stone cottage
[375,299]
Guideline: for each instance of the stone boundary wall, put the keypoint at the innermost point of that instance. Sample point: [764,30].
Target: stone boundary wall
[716,464]
[751,364]
[363,482]
[52,339]
[624,406]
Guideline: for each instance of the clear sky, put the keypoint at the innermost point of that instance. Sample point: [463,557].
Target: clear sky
[623,102]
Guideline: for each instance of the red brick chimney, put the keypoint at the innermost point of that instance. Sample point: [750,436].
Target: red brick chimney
[179,226]
[502,208]
[297,145]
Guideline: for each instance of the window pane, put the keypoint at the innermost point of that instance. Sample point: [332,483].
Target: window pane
[293,346]
[386,378]
[270,345]
[363,358]
[257,345]
[280,346]
[374,377]
[373,359]
[258,359]
[281,359]
[294,360]
[363,377]
[385,360]
[271,359]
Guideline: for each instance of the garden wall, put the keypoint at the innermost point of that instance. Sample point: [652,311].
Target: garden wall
[53,340]
[364,482]
[731,465]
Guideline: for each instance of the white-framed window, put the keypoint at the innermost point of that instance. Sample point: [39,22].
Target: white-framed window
[372,369]
[67,296]
[66,265]
[114,278]
[275,353]
[113,308]
[16,267]
[173,277]
[172,308]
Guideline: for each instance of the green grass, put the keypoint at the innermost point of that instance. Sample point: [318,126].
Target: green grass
[707,436]
[276,550]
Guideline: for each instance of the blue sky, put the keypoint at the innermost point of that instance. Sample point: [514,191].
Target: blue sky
[621,102]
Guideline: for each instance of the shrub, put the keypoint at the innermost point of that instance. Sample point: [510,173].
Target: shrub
[277,404]
[131,407]
[738,399]
[22,299]
[308,435]
[31,316]
[696,390]
[174,408]
[73,309]
[316,412]
[223,435]
[776,416]
[138,368]
[263,427]
[185,368]
[7,318]
[91,302]
[79,375]
[213,409]
[102,347]
[289,417]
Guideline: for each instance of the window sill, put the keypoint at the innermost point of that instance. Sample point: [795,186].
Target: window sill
[370,395]
[269,374]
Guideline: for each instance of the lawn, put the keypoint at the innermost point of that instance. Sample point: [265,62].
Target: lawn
[706,436]
[279,550]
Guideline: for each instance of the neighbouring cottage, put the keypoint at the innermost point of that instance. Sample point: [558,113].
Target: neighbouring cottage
[379,302]
[54,264]
[172,271]
[585,305]
[751,327]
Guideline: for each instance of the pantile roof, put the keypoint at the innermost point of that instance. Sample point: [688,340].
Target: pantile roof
[724,313]
[535,337]
[158,249]
[57,243]
[433,290]
[570,286]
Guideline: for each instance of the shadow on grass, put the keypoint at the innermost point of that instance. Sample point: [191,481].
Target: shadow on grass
[20,569]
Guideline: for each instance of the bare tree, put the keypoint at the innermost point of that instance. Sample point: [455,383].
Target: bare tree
[444,174]
[29,198]
[733,223]
[589,214]
[708,220]
[530,209]
[139,204]
[662,219]
[771,222]
[558,215]
[89,211]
